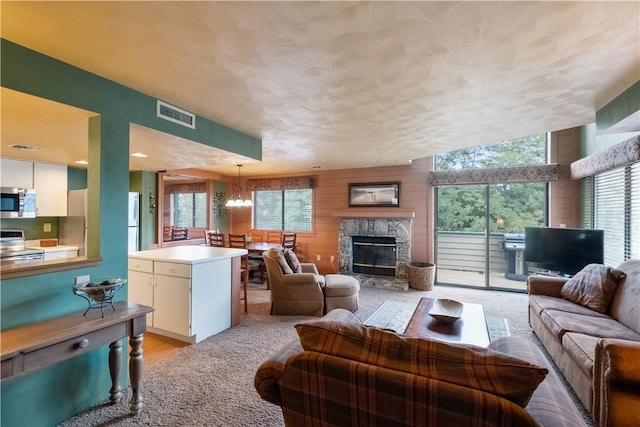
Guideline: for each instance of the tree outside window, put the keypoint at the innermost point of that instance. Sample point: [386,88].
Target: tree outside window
[462,208]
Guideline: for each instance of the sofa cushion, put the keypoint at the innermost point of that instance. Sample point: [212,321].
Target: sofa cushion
[593,286]
[540,303]
[560,322]
[470,366]
[292,261]
[278,255]
[582,349]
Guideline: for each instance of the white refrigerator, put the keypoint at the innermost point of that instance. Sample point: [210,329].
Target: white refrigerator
[134,222]
[73,227]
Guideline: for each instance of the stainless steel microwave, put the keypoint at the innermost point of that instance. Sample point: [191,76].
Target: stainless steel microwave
[17,202]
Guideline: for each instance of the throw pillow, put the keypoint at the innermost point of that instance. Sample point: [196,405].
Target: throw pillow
[470,366]
[278,255]
[292,260]
[592,287]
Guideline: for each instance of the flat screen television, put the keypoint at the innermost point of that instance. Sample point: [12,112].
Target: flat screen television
[563,250]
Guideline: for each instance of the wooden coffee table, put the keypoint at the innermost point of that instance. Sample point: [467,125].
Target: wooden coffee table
[471,328]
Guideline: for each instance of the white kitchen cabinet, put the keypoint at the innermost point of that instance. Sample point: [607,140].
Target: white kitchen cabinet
[50,182]
[191,297]
[16,173]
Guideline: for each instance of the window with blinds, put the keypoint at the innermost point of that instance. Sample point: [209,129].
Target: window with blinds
[617,212]
[283,209]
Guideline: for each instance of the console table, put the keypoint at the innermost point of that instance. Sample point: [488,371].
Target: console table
[37,345]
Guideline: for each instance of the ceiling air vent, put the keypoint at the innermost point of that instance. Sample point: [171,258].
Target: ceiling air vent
[176,115]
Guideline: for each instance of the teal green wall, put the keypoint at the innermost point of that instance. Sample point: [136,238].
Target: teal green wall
[54,394]
[624,105]
[627,103]
[76,178]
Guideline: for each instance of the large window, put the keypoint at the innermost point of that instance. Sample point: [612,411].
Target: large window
[283,210]
[617,212]
[189,209]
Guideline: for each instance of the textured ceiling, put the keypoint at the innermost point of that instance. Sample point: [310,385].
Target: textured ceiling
[339,84]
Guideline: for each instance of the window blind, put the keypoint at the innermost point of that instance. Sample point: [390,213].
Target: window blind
[617,212]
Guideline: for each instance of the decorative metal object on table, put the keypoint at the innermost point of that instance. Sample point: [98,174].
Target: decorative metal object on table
[100,293]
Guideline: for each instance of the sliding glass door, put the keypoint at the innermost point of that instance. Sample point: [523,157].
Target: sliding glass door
[480,233]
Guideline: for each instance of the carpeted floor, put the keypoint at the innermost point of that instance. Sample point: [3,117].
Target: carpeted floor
[211,383]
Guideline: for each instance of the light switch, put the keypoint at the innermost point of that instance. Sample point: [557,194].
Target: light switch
[47,227]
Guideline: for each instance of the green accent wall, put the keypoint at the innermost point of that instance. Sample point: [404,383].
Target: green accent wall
[144,183]
[33,227]
[56,393]
[624,105]
[76,178]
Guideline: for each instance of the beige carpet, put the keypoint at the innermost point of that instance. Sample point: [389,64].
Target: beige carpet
[211,383]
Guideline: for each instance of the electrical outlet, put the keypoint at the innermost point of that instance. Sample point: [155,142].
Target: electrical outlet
[317,257]
[82,279]
[47,227]
[333,258]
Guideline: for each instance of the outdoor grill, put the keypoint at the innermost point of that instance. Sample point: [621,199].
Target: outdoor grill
[513,245]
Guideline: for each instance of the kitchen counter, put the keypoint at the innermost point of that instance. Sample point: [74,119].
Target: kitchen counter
[188,254]
[53,248]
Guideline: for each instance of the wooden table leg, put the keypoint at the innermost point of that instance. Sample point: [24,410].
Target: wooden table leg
[115,366]
[135,373]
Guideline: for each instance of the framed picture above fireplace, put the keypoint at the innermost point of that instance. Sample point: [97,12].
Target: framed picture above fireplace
[375,194]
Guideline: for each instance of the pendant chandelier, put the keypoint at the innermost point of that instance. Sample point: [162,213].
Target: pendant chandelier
[238,201]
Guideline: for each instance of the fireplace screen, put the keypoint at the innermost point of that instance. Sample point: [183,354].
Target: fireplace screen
[374,255]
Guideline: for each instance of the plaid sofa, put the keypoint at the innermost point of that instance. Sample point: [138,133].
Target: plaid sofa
[355,375]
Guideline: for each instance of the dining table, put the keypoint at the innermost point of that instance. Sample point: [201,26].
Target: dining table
[259,247]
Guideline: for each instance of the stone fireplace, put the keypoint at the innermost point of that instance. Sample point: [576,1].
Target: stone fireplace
[398,228]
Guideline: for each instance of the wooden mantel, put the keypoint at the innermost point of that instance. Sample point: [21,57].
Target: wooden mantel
[374,213]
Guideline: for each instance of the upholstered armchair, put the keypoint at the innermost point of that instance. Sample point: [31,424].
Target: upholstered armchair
[293,293]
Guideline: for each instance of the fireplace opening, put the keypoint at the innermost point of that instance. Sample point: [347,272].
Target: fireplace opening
[374,255]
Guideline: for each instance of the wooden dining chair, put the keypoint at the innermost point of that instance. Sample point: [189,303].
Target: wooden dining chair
[289,241]
[239,241]
[257,235]
[211,238]
[274,236]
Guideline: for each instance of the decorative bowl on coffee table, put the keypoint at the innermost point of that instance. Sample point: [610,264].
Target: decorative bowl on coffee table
[446,310]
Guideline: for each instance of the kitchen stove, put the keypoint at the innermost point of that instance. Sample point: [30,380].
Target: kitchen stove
[13,251]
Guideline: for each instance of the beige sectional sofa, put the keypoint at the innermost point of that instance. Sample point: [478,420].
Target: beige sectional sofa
[598,352]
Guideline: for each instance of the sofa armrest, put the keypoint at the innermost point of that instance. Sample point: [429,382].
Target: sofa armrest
[269,372]
[545,285]
[301,279]
[616,383]
[308,267]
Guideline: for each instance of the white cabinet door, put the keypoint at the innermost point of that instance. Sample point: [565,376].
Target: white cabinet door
[50,182]
[172,303]
[16,173]
[141,288]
